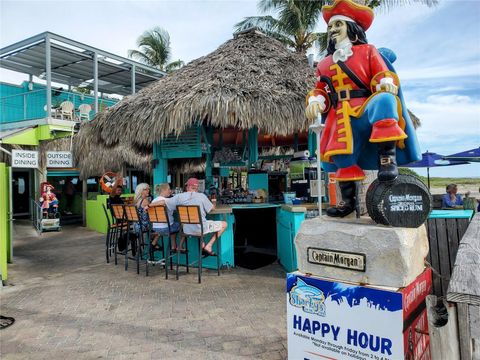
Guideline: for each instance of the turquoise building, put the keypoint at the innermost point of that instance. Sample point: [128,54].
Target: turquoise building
[56,70]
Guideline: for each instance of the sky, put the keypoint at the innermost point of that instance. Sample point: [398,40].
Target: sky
[438,50]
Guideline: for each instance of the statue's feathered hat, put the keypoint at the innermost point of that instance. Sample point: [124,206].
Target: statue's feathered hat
[349,11]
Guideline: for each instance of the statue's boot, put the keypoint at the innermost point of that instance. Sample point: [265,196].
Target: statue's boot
[387,169]
[386,133]
[347,205]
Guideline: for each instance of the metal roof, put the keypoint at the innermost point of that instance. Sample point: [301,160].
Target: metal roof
[72,63]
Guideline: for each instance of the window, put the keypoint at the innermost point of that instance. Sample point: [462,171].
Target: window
[21,186]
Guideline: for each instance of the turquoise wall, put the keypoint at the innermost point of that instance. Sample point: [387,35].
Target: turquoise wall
[18,103]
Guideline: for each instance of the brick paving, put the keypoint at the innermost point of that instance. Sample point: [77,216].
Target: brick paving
[70,304]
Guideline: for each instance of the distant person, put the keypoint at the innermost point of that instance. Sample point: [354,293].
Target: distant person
[478,201]
[69,192]
[115,195]
[142,202]
[164,192]
[452,200]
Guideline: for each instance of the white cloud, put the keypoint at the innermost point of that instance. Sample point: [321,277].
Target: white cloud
[457,100]
[447,127]
[442,71]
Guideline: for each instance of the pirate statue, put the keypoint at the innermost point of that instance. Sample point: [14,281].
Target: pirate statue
[358,95]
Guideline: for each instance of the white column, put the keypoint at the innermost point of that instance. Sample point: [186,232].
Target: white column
[48,71]
[95,82]
[133,69]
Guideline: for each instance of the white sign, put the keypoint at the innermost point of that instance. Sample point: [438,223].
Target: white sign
[201,185]
[59,159]
[333,320]
[340,259]
[405,202]
[24,159]
[314,188]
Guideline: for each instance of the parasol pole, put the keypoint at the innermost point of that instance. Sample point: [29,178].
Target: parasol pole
[428,177]
[317,127]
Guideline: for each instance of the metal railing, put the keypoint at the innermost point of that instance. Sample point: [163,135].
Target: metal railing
[36,214]
[31,105]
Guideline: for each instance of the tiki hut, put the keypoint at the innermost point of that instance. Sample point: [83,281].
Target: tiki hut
[250,81]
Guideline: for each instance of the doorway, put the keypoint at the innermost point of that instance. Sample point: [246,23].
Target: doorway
[21,193]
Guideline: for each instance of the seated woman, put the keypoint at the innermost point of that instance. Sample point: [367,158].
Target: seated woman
[452,200]
[163,192]
[142,201]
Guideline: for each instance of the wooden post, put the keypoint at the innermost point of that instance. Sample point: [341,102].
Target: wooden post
[84,202]
[464,289]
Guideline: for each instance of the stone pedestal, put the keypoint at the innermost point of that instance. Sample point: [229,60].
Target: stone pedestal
[393,256]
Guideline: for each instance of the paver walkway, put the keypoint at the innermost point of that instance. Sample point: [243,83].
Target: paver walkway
[70,304]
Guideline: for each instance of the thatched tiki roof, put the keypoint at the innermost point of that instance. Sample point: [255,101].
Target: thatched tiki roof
[251,80]
[93,158]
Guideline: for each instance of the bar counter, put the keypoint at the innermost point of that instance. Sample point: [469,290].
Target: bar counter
[278,232]
[288,219]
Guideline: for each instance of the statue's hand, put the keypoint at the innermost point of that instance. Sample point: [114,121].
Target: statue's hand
[387,85]
[316,105]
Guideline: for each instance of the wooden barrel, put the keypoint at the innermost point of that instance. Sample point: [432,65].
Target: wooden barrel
[405,202]
[374,191]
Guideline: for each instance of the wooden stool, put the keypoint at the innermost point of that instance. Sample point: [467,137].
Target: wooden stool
[191,215]
[158,214]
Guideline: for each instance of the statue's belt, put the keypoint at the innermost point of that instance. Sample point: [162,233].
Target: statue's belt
[346,94]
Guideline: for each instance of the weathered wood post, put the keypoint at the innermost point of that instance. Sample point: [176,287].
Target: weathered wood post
[464,290]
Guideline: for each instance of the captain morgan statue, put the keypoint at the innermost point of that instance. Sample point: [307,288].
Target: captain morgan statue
[358,96]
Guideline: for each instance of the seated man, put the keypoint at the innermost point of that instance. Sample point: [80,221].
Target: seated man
[193,197]
[115,196]
[452,200]
[164,192]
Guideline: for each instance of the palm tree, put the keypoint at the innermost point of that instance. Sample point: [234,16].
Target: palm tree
[294,26]
[154,50]
[297,19]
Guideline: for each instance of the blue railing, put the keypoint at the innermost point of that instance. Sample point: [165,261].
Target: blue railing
[31,105]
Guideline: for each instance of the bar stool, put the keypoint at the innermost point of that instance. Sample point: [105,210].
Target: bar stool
[132,217]
[109,237]
[191,215]
[158,214]
[118,226]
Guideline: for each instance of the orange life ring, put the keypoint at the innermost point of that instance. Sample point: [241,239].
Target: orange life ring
[107,181]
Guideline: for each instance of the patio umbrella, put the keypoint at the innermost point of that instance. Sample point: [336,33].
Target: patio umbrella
[469,155]
[431,159]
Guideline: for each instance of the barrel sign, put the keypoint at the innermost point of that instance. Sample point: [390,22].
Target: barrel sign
[405,202]
[59,159]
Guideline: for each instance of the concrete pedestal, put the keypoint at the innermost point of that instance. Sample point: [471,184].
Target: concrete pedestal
[393,256]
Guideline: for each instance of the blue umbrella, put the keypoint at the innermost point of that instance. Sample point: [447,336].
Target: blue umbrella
[469,155]
[431,159]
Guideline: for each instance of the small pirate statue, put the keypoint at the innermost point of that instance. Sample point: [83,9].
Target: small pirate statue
[358,95]
[49,201]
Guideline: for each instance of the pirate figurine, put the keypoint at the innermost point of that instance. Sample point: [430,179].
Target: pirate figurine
[49,201]
[358,96]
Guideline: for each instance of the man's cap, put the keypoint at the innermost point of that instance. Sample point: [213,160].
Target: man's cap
[360,14]
[192,182]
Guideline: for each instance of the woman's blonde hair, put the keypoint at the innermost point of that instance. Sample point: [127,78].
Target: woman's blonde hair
[138,191]
[161,187]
